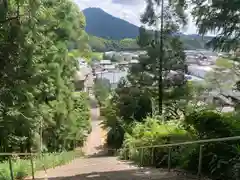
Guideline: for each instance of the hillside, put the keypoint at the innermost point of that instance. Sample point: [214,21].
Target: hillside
[101,24]
[99,44]
[111,33]
[194,41]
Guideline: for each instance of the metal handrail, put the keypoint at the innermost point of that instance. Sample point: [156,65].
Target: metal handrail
[19,154]
[232,138]
[192,142]
[23,154]
[169,146]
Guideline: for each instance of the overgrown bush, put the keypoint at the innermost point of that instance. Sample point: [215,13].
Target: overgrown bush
[219,158]
[131,103]
[150,133]
[82,122]
[102,89]
[127,106]
[114,126]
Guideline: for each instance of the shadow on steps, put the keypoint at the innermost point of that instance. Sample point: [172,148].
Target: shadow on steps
[102,152]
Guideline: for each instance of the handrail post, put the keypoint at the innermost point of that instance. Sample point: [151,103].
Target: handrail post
[237,173]
[142,156]
[11,168]
[153,155]
[32,166]
[125,156]
[169,158]
[200,162]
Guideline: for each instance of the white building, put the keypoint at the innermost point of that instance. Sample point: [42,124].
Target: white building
[188,77]
[134,61]
[84,79]
[199,71]
[109,66]
[105,62]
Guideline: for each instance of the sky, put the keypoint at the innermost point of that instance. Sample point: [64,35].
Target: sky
[129,10]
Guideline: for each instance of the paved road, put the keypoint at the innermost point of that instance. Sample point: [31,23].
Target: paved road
[99,167]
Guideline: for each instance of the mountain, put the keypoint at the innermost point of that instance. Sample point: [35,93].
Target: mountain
[101,24]
[111,33]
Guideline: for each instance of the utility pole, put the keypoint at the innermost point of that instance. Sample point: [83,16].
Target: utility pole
[41,135]
[160,63]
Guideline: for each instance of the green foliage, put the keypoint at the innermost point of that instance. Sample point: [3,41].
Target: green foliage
[96,56]
[131,103]
[149,133]
[102,45]
[127,105]
[102,89]
[113,124]
[219,158]
[224,63]
[193,42]
[36,76]
[209,124]
[22,167]
[212,17]
[157,78]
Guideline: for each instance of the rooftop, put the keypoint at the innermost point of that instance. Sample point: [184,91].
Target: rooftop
[82,73]
[105,62]
[197,67]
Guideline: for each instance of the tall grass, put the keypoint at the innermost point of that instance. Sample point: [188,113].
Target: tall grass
[22,167]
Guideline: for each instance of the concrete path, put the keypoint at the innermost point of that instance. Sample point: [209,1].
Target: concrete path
[99,167]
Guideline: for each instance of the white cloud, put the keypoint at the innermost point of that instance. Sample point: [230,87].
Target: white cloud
[129,10]
[127,2]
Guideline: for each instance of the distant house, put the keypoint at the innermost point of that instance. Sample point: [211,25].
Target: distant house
[199,71]
[79,81]
[191,59]
[234,53]
[83,79]
[109,66]
[105,62]
[134,61]
[123,63]
[229,100]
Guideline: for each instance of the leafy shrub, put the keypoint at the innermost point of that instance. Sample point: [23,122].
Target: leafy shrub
[82,124]
[131,103]
[102,88]
[113,125]
[148,134]
[127,106]
[219,158]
